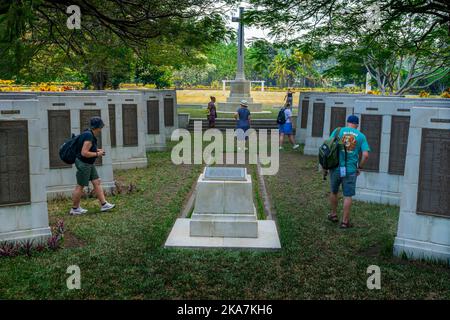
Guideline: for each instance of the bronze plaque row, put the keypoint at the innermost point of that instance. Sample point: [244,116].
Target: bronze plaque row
[337,117]
[59,126]
[433,197]
[129,123]
[318,118]
[112,124]
[371,127]
[398,144]
[304,121]
[153,117]
[169,112]
[14,163]
[85,123]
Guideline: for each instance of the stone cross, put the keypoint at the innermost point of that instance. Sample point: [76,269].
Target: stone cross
[240,75]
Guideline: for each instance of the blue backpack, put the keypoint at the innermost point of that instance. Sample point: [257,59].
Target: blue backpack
[68,151]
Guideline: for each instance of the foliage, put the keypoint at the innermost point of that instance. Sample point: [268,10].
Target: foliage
[404,45]
[36,45]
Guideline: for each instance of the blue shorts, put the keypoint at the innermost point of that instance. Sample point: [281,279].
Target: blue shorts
[348,183]
[285,128]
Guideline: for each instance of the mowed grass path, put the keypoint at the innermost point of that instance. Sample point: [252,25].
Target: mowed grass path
[123,255]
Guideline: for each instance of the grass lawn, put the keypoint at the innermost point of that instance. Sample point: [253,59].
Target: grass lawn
[121,253]
[202,97]
[185,98]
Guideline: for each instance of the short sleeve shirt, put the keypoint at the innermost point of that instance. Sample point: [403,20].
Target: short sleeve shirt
[87,135]
[243,114]
[355,142]
[288,115]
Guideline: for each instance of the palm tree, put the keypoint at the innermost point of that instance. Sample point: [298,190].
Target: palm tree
[281,68]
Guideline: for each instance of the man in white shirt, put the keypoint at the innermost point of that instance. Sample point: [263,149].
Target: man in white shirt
[286,128]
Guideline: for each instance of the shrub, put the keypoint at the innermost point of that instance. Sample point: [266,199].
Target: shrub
[424,94]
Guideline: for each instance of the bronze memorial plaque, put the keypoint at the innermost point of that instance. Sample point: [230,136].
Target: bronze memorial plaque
[305,107]
[129,122]
[399,144]
[153,117]
[433,196]
[58,131]
[85,117]
[318,118]
[371,127]
[168,112]
[14,163]
[112,124]
[337,118]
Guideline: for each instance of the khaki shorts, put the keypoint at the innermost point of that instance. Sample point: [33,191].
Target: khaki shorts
[85,172]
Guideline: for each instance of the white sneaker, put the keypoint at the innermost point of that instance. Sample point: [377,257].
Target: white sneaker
[107,206]
[78,211]
[296,146]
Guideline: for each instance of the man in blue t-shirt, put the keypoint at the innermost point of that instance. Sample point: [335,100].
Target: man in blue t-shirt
[354,142]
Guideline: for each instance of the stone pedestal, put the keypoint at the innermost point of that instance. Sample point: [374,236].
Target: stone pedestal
[239,90]
[224,205]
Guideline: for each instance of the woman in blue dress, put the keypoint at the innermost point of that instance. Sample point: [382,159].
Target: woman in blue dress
[242,117]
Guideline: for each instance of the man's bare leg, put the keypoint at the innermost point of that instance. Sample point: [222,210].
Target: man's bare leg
[291,139]
[347,208]
[333,203]
[76,196]
[99,191]
[281,139]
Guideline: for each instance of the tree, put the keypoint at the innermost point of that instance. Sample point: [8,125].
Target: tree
[30,27]
[282,68]
[260,55]
[405,49]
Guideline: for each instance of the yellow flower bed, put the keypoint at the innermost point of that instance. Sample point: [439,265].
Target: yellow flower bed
[9,86]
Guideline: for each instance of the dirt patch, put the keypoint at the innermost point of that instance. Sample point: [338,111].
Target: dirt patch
[71,241]
[371,252]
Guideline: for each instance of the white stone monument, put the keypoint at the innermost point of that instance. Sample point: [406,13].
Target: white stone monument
[424,223]
[23,200]
[63,114]
[382,180]
[127,129]
[160,117]
[239,87]
[224,215]
[224,204]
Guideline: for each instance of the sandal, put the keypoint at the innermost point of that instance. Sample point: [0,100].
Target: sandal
[333,217]
[345,225]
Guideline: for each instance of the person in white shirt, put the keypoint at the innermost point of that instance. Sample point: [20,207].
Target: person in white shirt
[286,128]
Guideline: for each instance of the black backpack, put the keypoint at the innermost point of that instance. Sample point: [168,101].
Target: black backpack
[281,119]
[329,152]
[68,150]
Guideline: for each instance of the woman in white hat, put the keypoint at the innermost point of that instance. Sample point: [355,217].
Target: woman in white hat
[242,117]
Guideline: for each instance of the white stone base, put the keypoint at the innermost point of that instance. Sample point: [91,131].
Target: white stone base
[156,147]
[267,238]
[311,151]
[233,106]
[35,235]
[224,225]
[66,191]
[374,196]
[130,164]
[415,249]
